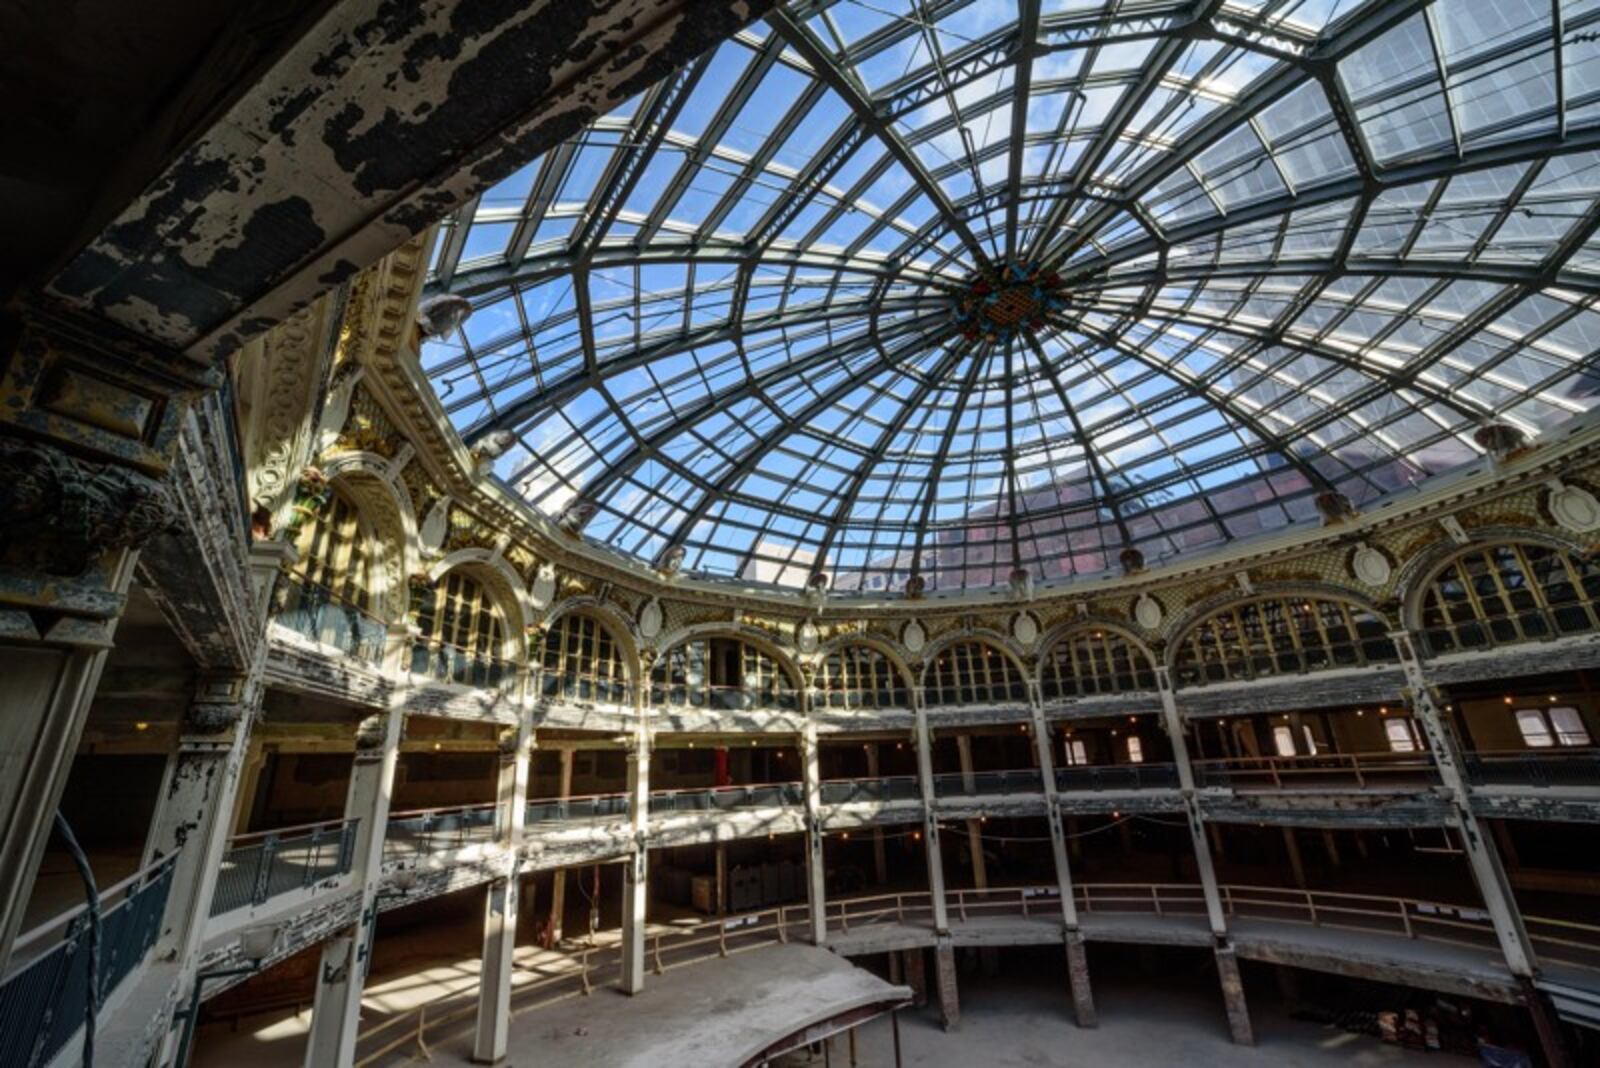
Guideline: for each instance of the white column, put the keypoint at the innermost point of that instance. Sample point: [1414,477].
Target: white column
[635,882]
[1482,856]
[880,854]
[1072,935]
[336,1010]
[980,869]
[1227,963]
[816,873]
[500,908]
[930,820]
[558,886]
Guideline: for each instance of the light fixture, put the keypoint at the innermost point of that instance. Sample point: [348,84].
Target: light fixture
[142,725]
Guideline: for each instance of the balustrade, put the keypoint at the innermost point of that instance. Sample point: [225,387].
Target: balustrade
[314,611]
[261,866]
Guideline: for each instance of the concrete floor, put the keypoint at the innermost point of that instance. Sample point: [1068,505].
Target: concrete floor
[1022,1020]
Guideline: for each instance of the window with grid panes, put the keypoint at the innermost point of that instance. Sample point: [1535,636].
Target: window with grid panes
[583,662]
[859,676]
[723,673]
[462,634]
[1089,662]
[1504,594]
[969,673]
[333,554]
[1282,636]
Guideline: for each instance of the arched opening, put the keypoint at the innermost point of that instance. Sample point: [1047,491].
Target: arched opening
[856,676]
[1509,593]
[462,633]
[582,661]
[721,673]
[328,595]
[1281,636]
[973,672]
[1091,661]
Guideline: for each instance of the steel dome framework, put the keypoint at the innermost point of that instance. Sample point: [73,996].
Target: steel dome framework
[1270,250]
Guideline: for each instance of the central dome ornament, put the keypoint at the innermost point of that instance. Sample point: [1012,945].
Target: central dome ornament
[1002,301]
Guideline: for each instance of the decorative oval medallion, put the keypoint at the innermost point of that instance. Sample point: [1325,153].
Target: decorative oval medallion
[1025,629]
[1147,611]
[1370,566]
[543,590]
[805,637]
[913,637]
[650,620]
[1574,507]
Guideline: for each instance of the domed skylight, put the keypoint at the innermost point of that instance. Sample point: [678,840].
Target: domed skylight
[893,287]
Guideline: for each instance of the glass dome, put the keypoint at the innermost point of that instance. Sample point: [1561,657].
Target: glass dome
[893,288]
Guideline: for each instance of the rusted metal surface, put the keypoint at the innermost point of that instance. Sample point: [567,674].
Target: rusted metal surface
[384,117]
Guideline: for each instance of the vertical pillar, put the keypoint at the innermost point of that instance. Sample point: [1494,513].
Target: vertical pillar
[195,807]
[1297,868]
[558,887]
[90,419]
[1227,964]
[944,959]
[930,816]
[816,872]
[916,961]
[249,782]
[1072,935]
[500,906]
[1331,845]
[1482,855]
[980,869]
[880,854]
[336,1007]
[635,881]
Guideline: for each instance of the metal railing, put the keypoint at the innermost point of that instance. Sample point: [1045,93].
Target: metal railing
[1323,769]
[884,788]
[424,832]
[1116,776]
[262,865]
[987,783]
[1535,767]
[42,1003]
[579,972]
[667,696]
[411,1032]
[313,610]
[444,662]
[590,807]
[725,798]
[869,699]
[585,688]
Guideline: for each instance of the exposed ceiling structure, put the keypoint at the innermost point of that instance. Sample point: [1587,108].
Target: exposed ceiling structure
[945,290]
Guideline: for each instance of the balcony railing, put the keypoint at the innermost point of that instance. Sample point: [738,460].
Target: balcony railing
[586,688]
[1535,767]
[42,1003]
[987,783]
[726,798]
[1324,769]
[668,696]
[1117,777]
[451,663]
[885,788]
[261,866]
[318,613]
[862,700]
[425,832]
[590,807]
